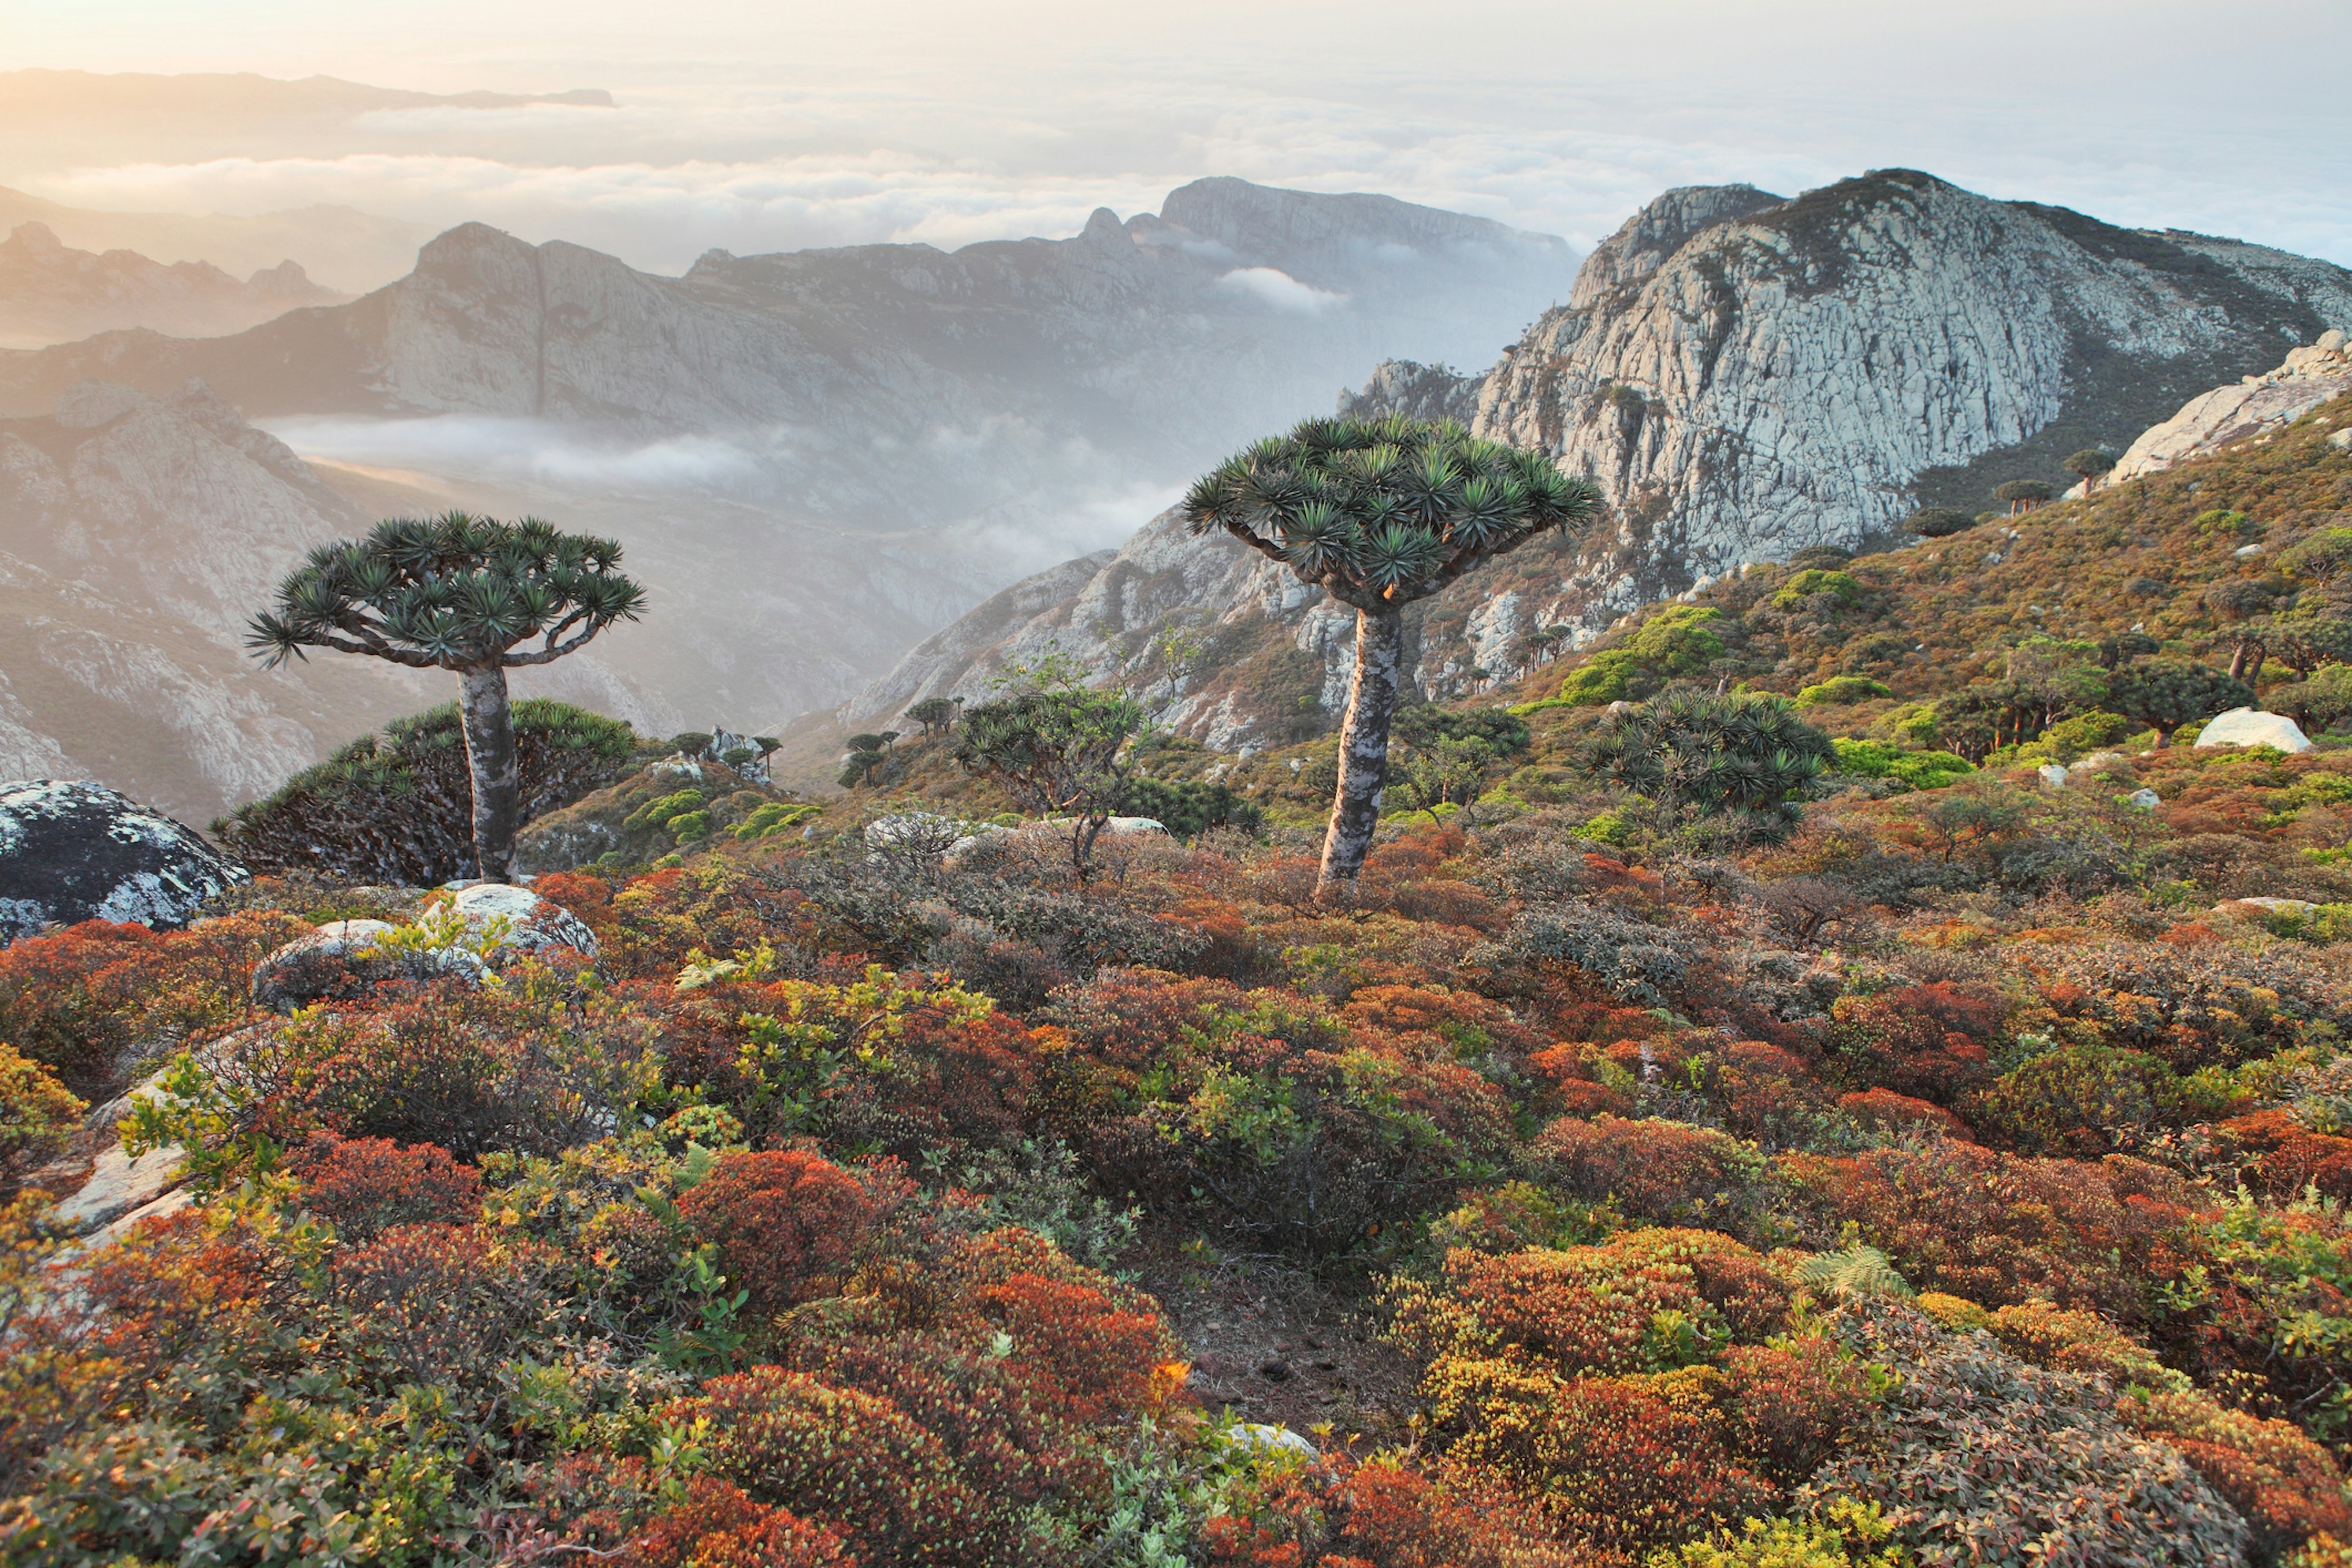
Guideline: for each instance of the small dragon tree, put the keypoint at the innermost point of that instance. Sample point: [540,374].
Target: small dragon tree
[1379,514]
[463,594]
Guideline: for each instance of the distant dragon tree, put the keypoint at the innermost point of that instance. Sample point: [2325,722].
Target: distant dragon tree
[470,594]
[1377,514]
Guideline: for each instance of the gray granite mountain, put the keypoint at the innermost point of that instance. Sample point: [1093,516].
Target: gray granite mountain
[1746,376]
[52,293]
[870,385]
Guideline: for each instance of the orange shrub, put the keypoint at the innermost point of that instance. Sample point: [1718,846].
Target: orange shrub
[2285,1156]
[1895,1112]
[447,1303]
[1995,1227]
[1665,1171]
[786,1222]
[2287,1486]
[852,1461]
[718,1526]
[1088,1347]
[368,1184]
[1927,1042]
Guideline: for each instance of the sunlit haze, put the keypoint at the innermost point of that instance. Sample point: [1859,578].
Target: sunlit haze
[761,127]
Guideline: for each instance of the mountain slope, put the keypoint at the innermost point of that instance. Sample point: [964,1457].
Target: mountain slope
[1271,659]
[50,293]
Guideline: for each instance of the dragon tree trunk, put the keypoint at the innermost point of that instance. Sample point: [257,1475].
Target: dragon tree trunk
[1363,749]
[497,772]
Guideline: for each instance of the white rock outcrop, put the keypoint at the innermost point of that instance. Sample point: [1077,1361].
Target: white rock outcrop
[2252,727]
[2258,405]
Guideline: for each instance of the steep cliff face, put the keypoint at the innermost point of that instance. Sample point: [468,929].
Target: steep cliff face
[1809,372]
[51,293]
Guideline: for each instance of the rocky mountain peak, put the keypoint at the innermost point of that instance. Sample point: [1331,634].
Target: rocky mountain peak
[1656,232]
[34,239]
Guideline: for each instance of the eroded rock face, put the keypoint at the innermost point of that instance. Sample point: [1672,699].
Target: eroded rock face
[1808,372]
[76,851]
[2316,374]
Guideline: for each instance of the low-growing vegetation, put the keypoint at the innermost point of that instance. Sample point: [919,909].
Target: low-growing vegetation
[1850,1105]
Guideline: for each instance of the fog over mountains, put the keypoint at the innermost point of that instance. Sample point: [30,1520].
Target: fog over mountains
[815,459]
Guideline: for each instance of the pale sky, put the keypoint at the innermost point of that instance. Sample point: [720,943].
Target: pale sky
[777,124]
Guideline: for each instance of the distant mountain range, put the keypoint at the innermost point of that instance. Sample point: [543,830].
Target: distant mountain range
[52,293]
[813,459]
[1746,376]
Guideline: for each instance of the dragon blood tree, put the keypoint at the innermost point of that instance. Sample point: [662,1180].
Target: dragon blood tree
[465,593]
[1377,514]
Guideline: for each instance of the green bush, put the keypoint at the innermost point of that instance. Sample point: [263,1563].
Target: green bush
[399,808]
[1842,689]
[1812,581]
[1918,769]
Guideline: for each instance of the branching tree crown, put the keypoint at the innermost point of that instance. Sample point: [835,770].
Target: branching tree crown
[1380,512]
[454,592]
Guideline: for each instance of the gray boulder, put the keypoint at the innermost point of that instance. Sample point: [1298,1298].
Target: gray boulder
[506,923]
[76,851]
[342,962]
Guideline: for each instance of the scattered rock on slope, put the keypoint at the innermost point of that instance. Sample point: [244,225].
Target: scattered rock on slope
[74,852]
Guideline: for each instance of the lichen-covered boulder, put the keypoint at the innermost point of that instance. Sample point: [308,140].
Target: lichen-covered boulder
[343,960]
[2252,727]
[506,923]
[76,851]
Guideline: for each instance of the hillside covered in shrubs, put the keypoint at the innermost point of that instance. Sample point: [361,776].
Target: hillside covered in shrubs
[1768,1122]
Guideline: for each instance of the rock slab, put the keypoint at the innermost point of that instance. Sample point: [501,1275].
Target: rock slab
[2252,727]
[76,851]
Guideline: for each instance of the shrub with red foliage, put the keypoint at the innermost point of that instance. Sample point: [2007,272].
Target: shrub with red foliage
[1794,1404]
[80,999]
[1666,1172]
[1460,1024]
[718,1526]
[1895,1112]
[1381,1515]
[1998,1228]
[1621,1463]
[990,1417]
[444,1302]
[786,1222]
[1927,1042]
[2286,1486]
[2285,1157]
[1765,1092]
[850,1460]
[365,1186]
[1088,1347]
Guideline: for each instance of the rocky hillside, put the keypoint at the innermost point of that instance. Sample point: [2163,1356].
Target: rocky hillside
[1788,374]
[137,534]
[50,293]
[1229,645]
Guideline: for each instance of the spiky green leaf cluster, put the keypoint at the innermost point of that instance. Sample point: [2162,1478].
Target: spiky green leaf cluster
[456,591]
[1740,755]
[1385,510]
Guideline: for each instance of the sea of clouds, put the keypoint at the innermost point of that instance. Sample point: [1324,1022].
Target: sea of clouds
[764,128]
